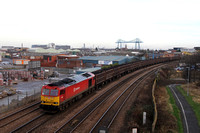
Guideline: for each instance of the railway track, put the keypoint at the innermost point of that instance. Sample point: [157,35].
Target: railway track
[27,128]
[101,97]
[10,118]
[72,124]
[106,120]
[33,123]
[93,103]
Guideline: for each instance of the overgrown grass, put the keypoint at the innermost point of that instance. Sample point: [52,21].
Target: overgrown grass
[195,106]
[176,111]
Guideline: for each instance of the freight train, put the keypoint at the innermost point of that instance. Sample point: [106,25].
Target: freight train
[58,95]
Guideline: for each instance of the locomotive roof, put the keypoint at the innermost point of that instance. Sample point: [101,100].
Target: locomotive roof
[72,80]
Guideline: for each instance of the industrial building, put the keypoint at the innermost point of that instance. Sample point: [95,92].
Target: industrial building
[49,60]
[39,46]
[90,61]
[68,61]
[65,47]
[7,47]
[61,61]
[88,70]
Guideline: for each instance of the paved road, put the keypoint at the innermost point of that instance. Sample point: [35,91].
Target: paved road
[189,119]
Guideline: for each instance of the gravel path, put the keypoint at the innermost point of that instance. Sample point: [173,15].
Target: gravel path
[189,119]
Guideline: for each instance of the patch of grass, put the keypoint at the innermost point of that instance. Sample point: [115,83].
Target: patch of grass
[176,111]
[195,106]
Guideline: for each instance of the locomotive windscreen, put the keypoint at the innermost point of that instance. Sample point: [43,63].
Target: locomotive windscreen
[62,82]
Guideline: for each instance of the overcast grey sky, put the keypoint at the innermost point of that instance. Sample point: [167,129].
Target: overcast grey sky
[159,24]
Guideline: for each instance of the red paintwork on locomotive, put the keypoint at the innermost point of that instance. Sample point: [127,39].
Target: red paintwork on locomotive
[72,90]
[76,89]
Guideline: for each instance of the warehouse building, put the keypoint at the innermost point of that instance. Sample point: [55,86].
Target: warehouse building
[39,46]
[68,61]
[90,61]
[49,60]
[88,70]
[65,47]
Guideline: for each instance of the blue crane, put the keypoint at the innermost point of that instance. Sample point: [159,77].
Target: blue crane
[137,42]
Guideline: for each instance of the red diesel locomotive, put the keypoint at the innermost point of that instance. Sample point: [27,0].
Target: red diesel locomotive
[57,95]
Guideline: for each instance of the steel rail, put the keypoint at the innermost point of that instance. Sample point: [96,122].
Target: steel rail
[19,117]
[117,112]
[117,85]
[141,78]
[20,127]
[38,125]
[120,83]
[18,111]
[97,98]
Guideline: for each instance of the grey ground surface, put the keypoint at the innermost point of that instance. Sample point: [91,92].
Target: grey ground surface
[26,89]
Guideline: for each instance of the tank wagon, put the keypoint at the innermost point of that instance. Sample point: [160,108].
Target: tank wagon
[57,96]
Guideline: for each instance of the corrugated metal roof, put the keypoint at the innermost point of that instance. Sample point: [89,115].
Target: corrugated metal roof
[88,70]
[107,58]
[50,50]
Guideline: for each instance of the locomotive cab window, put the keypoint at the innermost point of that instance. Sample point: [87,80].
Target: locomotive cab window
[45,92]
[62,92]
[90,82]
[54,93]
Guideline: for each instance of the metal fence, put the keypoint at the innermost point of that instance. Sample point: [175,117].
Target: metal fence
[19,99]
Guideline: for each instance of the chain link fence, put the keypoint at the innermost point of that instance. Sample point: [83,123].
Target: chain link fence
[19,99]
